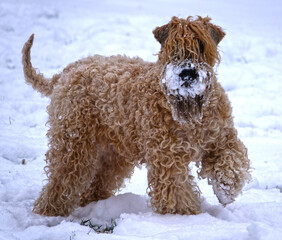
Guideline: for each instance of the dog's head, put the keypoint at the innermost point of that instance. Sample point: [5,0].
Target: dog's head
[188,53]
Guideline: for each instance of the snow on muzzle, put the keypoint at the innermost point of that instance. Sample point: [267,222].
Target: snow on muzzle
[186,79]
[186,86]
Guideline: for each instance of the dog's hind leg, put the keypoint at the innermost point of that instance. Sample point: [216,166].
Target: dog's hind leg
[70,159]
[70,170]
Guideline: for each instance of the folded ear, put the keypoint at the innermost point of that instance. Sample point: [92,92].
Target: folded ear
[216,33]
[161,33]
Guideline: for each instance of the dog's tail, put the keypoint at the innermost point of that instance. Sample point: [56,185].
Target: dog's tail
[37,80]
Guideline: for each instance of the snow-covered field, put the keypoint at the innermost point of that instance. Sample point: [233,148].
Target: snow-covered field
[65,31]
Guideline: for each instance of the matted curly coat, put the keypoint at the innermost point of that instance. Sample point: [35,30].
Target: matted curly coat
[109,114]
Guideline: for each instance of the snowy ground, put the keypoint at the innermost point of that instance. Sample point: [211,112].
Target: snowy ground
[65,31]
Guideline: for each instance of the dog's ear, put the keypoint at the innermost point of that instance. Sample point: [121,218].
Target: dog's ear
[216,33]
[161,33]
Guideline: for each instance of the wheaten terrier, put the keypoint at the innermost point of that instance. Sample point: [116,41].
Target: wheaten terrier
[109,114]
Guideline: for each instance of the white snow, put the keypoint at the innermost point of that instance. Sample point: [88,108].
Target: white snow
[220,190]
[65,31]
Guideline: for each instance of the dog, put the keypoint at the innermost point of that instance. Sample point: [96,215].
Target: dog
[110,114]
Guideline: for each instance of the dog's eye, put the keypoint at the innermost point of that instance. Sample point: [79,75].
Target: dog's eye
[201,46]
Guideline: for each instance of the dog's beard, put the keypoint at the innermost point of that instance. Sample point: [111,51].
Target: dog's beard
[189,93]
[186,110]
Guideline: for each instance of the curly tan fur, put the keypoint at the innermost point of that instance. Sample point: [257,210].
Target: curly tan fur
[185,38]
[109,114]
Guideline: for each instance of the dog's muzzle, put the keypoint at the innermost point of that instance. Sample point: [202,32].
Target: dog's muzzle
[185,79]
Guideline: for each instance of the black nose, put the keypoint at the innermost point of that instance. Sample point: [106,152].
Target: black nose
[188,76]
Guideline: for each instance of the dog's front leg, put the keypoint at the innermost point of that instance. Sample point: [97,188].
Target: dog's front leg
[226,166]
[171,187]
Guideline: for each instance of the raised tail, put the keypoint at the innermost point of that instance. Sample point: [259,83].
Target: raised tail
[37,80]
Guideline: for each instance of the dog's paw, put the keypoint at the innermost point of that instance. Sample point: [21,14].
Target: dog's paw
[222,193]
